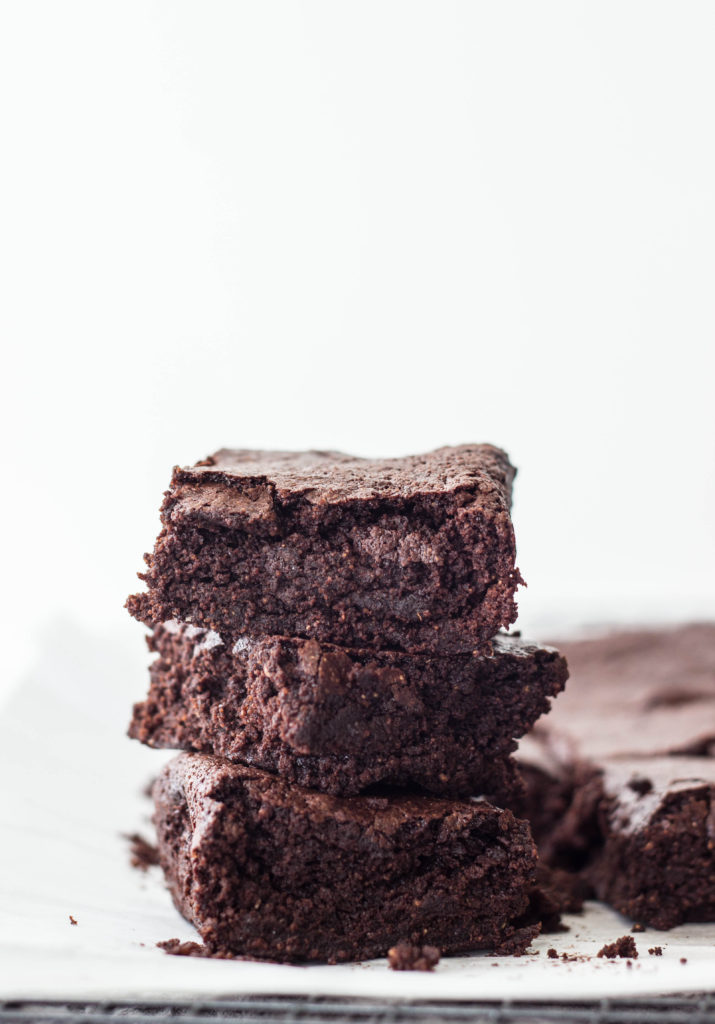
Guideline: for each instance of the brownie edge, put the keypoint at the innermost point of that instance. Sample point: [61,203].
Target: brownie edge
[272,871]
[414,553]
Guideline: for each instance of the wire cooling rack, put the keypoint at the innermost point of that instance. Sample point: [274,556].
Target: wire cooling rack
[694,1009]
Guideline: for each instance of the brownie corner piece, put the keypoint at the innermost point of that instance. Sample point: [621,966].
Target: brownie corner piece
[415,553]
[657,822]
[273,871]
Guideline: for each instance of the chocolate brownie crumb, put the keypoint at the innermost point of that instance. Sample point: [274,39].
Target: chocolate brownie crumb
[178,948]
[406,957]
[142,854]
[552,954]
[640,785]
[656,951]
[72,920]
[175,947]
[623,947]
[638,928]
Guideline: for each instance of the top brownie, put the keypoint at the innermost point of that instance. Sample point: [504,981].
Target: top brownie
[414,553]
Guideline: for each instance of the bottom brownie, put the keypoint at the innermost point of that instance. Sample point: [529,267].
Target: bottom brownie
[270,870]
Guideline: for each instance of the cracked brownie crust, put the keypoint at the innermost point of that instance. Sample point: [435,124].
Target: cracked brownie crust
[273,871]
[414,553]
[341,720]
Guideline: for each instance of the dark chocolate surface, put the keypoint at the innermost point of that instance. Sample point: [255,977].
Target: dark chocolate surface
[415,553]
[274,871]
[342,720]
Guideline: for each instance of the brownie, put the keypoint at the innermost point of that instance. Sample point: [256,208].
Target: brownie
[657,819]
[267,869]
[620,780]
[342,720]
[640,693]
[414,553]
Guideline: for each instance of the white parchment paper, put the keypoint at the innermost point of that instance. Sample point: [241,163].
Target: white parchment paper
[72,786]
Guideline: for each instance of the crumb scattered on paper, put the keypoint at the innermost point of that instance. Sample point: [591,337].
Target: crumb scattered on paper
[175,947]
[406,957]
[142,853]
[624,947]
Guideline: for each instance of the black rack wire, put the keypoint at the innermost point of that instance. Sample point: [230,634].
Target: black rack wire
[693,1009]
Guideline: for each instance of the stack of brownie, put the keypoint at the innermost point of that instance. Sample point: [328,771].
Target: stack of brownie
[329,657]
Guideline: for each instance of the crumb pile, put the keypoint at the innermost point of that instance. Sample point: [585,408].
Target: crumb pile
[329,660]
[625,947]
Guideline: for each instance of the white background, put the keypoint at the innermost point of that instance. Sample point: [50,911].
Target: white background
[374,226]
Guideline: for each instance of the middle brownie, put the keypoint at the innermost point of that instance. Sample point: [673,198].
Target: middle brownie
[341,720]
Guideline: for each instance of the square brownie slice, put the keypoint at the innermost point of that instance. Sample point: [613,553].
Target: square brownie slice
[651,823]
[341,720]
[414,553]
[269,870]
